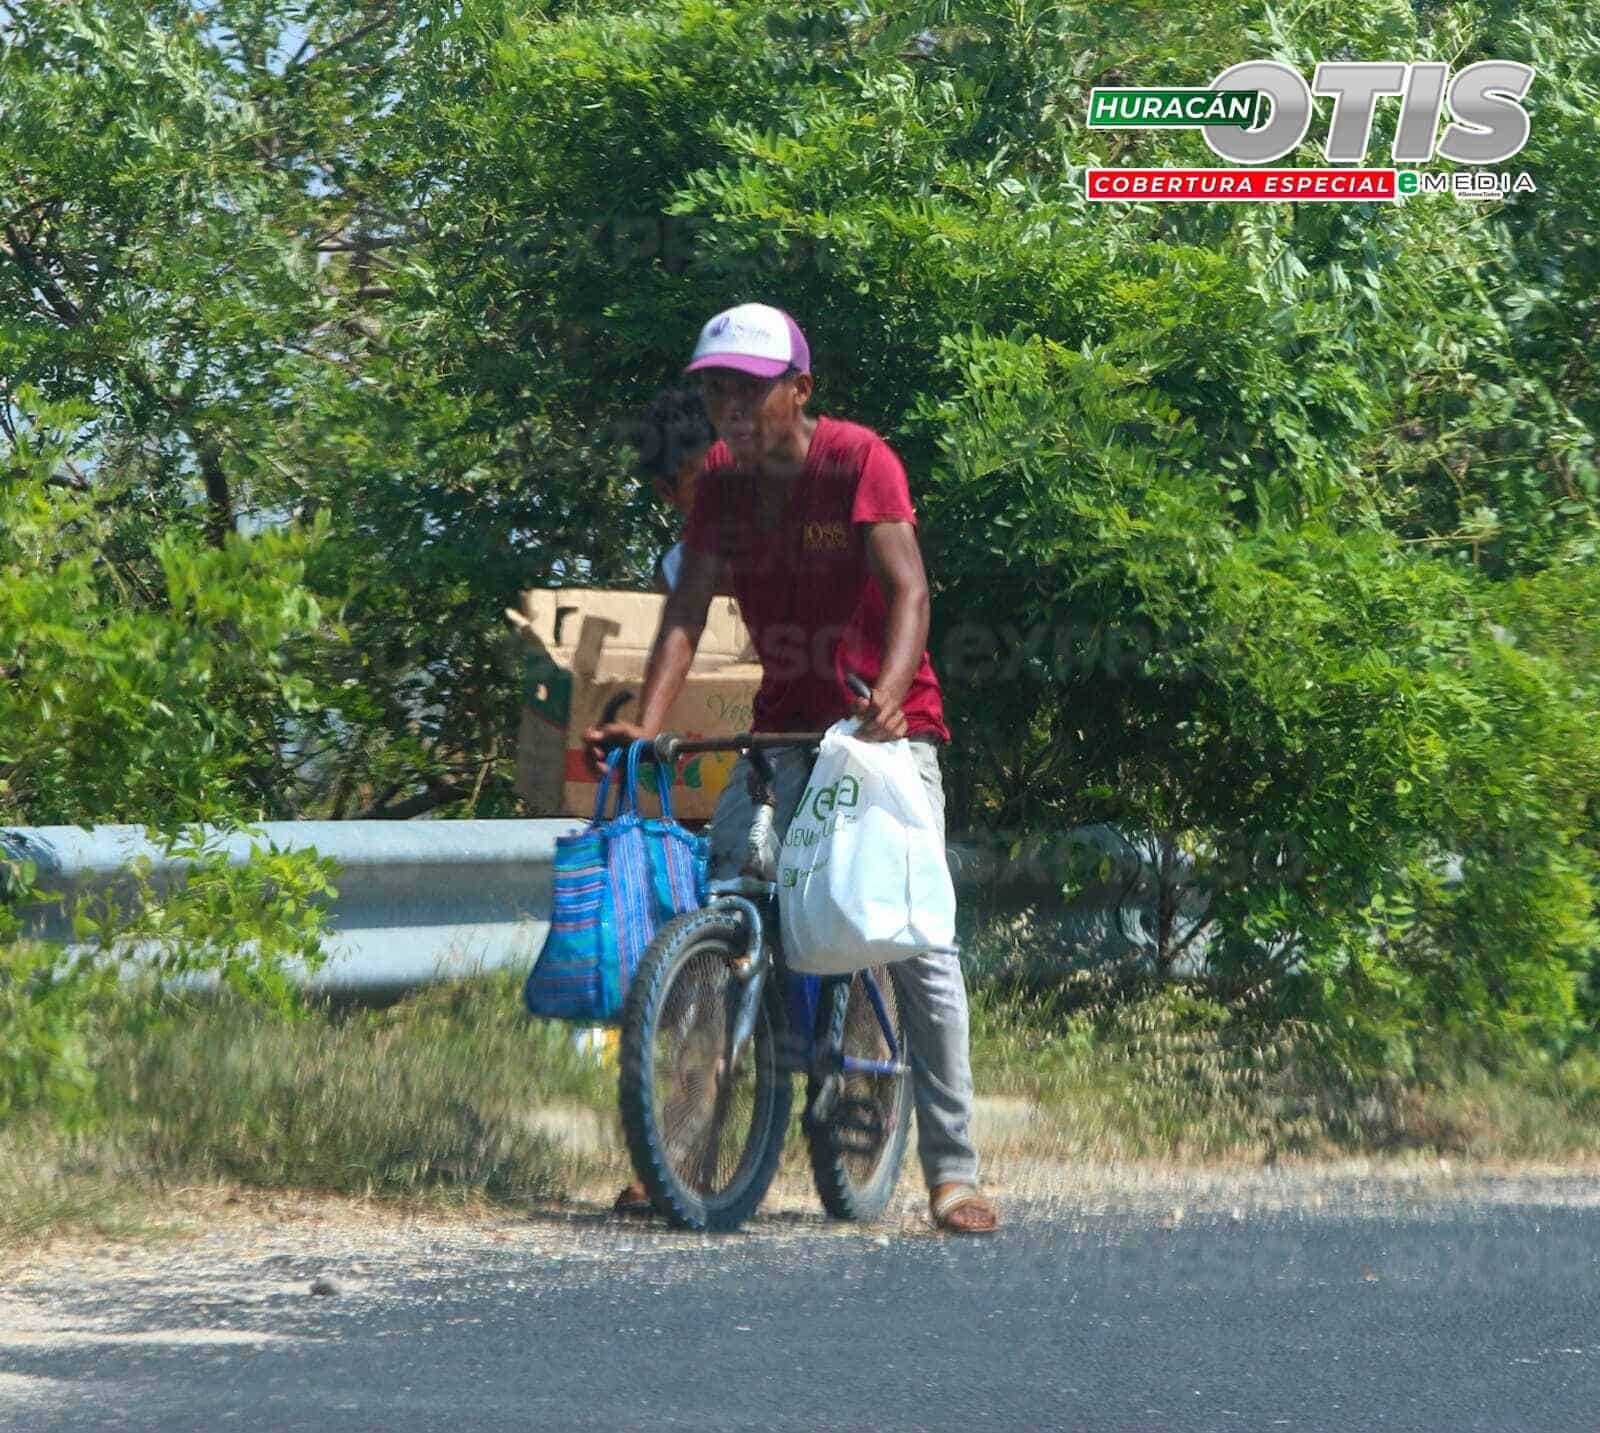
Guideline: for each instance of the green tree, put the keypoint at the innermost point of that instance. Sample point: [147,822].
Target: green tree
[1264,509]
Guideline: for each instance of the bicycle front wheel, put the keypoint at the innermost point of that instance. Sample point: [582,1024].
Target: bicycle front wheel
[705,1140]
[857,1150]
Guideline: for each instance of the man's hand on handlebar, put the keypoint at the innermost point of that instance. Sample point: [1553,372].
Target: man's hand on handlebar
[598,740]
[880,716]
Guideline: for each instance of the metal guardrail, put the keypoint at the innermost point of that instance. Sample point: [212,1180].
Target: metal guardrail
[418,901]
[422,901]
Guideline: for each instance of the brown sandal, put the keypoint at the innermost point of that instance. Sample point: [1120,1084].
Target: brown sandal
[633,1201]
[982,1215]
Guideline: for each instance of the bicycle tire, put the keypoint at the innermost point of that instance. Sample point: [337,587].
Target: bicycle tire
[853,1184]
[665,1043]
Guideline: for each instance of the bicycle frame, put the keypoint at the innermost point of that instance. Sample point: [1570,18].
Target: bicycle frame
[804,994]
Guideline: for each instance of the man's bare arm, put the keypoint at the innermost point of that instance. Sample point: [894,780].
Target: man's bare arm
[683,619]
[896,562]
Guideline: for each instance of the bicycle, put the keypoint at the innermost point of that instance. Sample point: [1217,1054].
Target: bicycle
[715,1026]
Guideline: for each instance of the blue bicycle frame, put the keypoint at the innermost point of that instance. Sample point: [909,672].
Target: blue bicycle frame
[805,994]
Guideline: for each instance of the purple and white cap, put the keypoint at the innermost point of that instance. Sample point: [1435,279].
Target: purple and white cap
[753,338]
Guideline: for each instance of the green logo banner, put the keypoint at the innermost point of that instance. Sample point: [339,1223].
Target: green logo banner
[1172,109]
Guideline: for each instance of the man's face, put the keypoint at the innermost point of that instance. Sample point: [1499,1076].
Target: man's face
[753,416]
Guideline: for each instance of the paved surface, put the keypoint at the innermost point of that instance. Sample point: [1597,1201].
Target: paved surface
[1357,1308]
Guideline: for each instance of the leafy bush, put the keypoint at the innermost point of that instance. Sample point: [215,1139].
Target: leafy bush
[116,709]
[44,997]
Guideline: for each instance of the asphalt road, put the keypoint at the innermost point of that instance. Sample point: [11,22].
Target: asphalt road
[1461,1315]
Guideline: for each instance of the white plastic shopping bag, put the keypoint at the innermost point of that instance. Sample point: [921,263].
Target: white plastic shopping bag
[862,877]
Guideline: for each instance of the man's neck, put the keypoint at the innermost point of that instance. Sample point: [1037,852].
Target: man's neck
[786,462]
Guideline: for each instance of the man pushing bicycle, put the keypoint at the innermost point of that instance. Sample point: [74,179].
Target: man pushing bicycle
[810,519]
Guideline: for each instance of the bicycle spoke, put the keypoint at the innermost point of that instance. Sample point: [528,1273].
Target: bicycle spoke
[863,1038]
[704,1140]
[705,1116]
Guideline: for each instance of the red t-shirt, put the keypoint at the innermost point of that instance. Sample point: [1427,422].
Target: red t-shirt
[805,589]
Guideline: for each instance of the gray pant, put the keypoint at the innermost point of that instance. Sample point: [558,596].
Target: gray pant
[933,996]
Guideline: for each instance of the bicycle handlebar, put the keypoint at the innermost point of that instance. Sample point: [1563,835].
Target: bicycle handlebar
[669,746]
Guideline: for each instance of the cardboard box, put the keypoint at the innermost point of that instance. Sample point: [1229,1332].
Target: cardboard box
[585,645]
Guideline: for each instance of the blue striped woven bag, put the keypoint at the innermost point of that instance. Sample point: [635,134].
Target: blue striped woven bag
[616,881]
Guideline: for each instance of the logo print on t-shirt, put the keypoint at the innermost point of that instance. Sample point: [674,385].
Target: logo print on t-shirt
[826,536]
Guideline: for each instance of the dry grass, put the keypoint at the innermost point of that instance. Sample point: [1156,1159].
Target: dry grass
[453,1101]
[1166,1078]
[443,1099]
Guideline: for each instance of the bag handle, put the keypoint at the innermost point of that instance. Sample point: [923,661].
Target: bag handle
[663,777]
[613,763]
